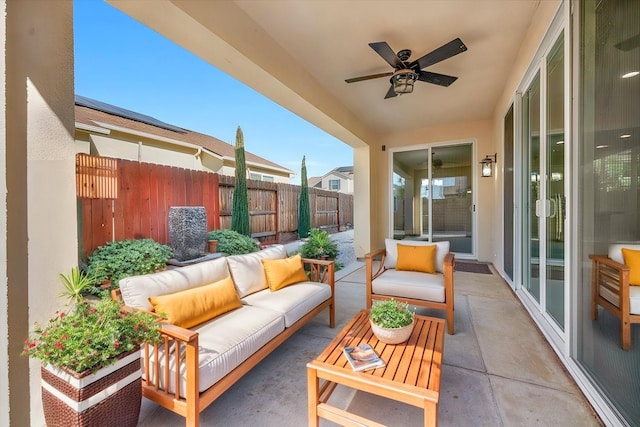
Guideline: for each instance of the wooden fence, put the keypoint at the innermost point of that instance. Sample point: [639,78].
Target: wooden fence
[122,199]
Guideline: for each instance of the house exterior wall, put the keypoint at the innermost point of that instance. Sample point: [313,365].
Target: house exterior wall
[346,185]
[40,189]
[122,146]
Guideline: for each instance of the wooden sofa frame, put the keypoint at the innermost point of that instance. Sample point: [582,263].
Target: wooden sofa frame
[177,340]
[613,276]
[447,305]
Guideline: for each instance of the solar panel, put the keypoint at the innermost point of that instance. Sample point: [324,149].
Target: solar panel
[123,112]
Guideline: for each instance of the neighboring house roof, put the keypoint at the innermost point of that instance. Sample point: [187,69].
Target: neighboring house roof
[314,181]
[95,113]
[345,169]
[338,174]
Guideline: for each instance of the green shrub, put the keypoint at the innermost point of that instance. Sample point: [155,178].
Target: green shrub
[233,243]
[124,258]
[319,245]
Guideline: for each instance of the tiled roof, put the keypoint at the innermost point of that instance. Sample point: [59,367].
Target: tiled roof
[90,116]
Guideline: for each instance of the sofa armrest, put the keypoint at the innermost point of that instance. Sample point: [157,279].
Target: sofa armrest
[181,345]
[322,271]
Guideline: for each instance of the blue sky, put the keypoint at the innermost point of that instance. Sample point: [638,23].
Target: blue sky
[122,62]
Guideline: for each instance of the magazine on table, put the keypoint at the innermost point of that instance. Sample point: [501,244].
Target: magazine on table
[363,357]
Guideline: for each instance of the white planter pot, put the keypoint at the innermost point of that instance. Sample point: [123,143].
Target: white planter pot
[392,335]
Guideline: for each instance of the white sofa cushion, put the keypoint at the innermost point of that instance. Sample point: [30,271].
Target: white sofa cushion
[634,294]
[247,270]
[391,247]
[136,290]
[410,284]
[615,250]
[293,301]
[225,342]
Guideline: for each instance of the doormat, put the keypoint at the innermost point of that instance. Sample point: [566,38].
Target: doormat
[472,267]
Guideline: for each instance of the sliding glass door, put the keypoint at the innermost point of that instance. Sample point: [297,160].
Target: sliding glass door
[543,111]
[433,195]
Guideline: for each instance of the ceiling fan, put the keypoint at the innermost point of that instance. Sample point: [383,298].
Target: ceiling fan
[406,73]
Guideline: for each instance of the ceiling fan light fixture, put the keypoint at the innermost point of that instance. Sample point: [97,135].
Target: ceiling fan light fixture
[403,81]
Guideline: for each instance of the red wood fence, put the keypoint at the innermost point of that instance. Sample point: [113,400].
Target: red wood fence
[122,199]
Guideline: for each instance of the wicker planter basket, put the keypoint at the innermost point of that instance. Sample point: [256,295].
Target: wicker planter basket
[110,397]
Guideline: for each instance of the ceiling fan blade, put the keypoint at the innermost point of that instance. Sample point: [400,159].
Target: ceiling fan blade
[446,51]
[390,93]
[385,51]
[436,79]
[372,76]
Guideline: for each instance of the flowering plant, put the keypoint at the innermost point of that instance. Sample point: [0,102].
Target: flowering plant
[91,336]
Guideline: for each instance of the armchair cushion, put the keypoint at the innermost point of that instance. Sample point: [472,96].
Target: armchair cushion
[391,247]
[615,250]
[410,284]
[632,260]
[416,258]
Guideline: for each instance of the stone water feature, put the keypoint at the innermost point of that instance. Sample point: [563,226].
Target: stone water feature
[188,234]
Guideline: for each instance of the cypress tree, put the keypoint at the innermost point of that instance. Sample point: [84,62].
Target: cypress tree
[304,215]
[240,209]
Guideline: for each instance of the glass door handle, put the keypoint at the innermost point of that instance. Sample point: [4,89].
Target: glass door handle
[553,208]
[543,208]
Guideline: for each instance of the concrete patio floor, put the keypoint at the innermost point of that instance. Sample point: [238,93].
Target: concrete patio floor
[498,370]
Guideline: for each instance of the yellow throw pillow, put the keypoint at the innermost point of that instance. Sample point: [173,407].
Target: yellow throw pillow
[632,260]
[417,258]
[284,272]
[194,306]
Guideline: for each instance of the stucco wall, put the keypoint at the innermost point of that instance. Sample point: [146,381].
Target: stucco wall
[40,185]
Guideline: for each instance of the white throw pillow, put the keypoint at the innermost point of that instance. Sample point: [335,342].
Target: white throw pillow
[391,247]
[247,270]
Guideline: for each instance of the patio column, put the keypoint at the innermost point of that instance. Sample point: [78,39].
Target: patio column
[38,188]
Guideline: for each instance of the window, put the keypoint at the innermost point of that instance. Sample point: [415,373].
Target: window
[260,177]
[334,184]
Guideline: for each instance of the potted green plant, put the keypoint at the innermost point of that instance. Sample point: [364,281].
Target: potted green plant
[391,321]
[90,358]
[320,246]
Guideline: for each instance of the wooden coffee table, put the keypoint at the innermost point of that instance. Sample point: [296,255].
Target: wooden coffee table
[411,374]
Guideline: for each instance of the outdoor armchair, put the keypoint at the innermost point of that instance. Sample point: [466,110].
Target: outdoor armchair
[392,273]
[612,287]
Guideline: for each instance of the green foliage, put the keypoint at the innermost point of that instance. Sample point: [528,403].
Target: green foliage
[76,285]
[91,337]
[319,245]
[125,258]
[391,314]
[233,243]
[240,209]
[304,215]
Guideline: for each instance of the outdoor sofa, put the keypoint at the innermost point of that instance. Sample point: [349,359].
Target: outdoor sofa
[201,357]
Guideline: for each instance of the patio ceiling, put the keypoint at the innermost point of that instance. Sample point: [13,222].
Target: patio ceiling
[298,53]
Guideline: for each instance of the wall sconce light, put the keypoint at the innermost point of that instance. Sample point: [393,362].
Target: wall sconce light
[487,164]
